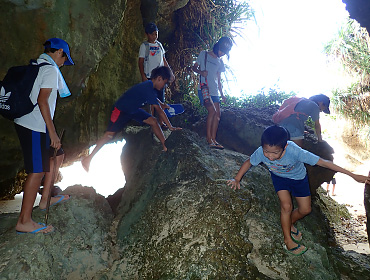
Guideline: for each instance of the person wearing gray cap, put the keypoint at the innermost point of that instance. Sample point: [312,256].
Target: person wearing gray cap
[209,66]
[38,137]
[303,108]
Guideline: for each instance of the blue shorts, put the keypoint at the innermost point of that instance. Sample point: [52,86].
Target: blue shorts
[298,188]
[215,99]
[36,149]
[119,119]
[295,127]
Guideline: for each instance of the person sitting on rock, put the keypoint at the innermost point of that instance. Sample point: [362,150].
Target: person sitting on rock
[127,108]
[286,160]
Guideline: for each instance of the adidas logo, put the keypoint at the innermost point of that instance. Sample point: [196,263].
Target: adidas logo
[4,96]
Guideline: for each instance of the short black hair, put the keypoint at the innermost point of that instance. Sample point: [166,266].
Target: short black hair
[162,71]
[48,48]
[275,136]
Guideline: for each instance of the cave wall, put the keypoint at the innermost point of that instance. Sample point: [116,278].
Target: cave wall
[359,10]
[104,38]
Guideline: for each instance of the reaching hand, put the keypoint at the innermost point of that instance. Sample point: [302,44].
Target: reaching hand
[234,184]
[361,178]
[55,141]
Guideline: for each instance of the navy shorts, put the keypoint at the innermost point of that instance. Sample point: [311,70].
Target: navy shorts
[119,119]
[36,149]
[215,99]
[298,188]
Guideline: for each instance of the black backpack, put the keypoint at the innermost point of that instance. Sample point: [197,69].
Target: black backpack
[16,88]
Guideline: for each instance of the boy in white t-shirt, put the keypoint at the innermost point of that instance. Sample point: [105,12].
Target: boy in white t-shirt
[151,55]
[38,137]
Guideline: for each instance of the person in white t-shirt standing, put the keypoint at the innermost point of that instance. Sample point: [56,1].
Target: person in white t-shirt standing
[152,55]
[38,137]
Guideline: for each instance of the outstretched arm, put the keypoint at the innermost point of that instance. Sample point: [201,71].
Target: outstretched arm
[235,183]
[334,167]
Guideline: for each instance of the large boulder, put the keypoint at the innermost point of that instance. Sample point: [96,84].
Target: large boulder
[240,129]
[176,218]
[79,248]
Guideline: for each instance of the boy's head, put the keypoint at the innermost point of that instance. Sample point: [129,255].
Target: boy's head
[275,136]
[273,141]
[150,28]
[53,44]
[161,71]
[160,76]
[151,31]
[322,101]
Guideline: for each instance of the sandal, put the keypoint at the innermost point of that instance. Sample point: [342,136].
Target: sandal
[296,236]
[296,250]
[219,146]
[216,146]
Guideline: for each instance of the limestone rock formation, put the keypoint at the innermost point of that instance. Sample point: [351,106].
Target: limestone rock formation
[79,248]
[175,219]
[179,220]
[104,38]
[359,10]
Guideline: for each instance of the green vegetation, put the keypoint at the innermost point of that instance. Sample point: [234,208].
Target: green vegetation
[201,24]
[352,48]
[263,98]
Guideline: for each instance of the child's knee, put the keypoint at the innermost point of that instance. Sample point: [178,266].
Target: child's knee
[151,121]
[286,207]
[305,210]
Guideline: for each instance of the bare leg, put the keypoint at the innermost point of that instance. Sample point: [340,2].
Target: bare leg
[152,121]
[304,208]
[108,136]
[327,188]
[210,119]
[215,122]
[25,222]
[286,207]
[332,192]
[48,183]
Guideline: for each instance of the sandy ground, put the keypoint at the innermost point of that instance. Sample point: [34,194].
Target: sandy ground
[14,206]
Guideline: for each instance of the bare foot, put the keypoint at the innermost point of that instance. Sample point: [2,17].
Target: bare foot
[33,227]
[53,200]
[86,163]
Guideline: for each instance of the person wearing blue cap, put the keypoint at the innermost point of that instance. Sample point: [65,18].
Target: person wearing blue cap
[38,136]
[311,107]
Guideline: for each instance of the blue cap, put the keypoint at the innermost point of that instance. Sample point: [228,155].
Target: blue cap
[150,28]
[57,43]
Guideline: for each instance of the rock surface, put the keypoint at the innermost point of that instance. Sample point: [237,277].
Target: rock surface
[176,219]
[79,248]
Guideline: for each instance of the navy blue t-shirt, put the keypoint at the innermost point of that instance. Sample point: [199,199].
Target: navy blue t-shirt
[136,97]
